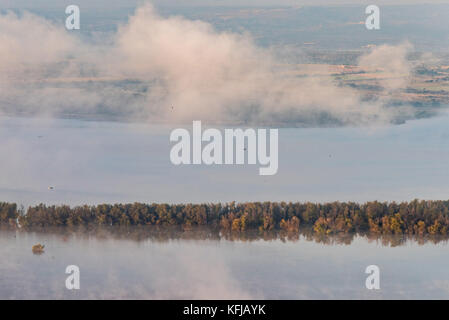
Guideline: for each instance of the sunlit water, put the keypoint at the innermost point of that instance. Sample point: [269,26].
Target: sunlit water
[150,268]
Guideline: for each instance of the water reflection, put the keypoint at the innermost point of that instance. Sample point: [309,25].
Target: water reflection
[165,234]
[172,263]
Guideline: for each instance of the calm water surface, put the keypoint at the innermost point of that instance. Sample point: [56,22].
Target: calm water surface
[181,268]
[105,162]
[96,162]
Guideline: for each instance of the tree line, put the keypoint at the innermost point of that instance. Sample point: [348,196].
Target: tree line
[417,217]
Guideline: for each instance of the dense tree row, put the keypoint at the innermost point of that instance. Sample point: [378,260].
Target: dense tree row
[8,213]
[415,217]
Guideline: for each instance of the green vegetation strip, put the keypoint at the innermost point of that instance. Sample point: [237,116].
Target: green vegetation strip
[413,218]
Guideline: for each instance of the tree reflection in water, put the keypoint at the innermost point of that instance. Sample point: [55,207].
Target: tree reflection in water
[170,233]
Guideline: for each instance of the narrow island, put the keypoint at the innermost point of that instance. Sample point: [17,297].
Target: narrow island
[417,217]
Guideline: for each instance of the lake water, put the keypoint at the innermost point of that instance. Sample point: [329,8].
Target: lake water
[113,267]
[95,162]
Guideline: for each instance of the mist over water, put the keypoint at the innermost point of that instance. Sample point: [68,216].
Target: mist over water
[175,69]
[112,268]
[157,68]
